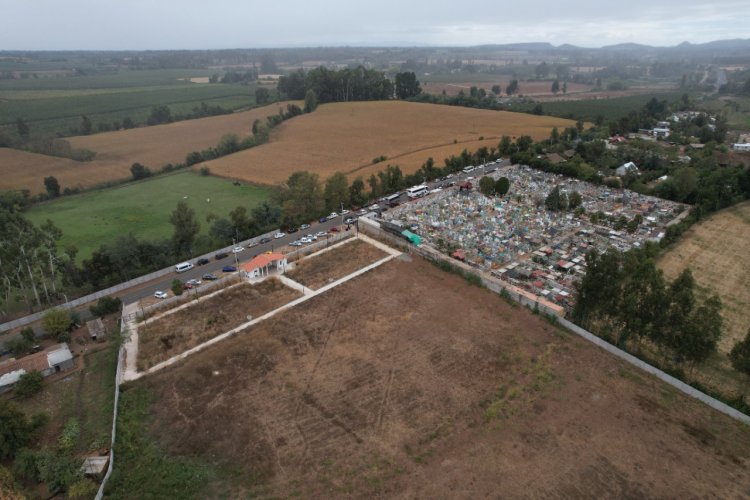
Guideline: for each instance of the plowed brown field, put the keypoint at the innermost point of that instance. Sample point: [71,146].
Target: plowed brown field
[346,137]
[116,151]
[407,382]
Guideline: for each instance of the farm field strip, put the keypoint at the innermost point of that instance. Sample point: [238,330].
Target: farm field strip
[153,147]
[344,137]
[135,368]
[716,252]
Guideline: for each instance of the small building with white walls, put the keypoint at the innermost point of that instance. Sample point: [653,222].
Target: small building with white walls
[263,265]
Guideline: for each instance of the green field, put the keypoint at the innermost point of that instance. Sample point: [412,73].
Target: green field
[611,109]
[55,105]
[736,108]
[142,208]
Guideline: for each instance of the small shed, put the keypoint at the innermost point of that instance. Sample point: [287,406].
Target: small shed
[60,358]
[263,264]
[95,467]
[96,329]
[626,168]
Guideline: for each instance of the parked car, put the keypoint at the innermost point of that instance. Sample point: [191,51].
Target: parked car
[187,285]
[228,269]
[332,215]
[279,235]
[252,244]
[311,237]
[322,219]
[292,230]
[334,229]
[202,262]
[265,240]
[305,239]
[304,226]
[160,295]
[194,282]
[296,243]
[209,277]
[350,220]
[221,255]
[321,234]
[344,211]
[362,212]
[237,249]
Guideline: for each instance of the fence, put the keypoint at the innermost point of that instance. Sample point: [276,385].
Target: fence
[373,229]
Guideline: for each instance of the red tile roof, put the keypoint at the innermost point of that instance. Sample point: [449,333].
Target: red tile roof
[262,260]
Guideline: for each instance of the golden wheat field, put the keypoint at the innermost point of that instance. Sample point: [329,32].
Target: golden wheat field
[346,137]
[24,170]
[716,251]
[153,146]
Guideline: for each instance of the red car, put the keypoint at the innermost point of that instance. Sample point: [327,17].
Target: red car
[334,230]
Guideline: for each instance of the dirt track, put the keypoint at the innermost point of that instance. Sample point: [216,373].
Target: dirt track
[408,382]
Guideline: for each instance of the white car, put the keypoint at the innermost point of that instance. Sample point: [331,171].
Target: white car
[160,295]
[321,234]
[304,226]
[195,282]
[295,243]
[311,237]
[237,249]
[344,211]
[279,235]
[305,239]
[332,215]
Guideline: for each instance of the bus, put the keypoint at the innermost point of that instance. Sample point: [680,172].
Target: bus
[417,191]
[390,200]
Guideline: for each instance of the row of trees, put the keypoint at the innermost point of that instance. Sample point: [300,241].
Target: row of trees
[357,84]
[624,297]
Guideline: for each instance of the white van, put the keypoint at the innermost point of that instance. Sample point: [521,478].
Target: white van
[183,266]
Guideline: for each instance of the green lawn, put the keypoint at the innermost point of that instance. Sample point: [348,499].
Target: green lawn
[142,208]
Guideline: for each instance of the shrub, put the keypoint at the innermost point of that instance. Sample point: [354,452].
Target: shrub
[106,305]
[57,322]
[29,384]
[177,287]
[205,171]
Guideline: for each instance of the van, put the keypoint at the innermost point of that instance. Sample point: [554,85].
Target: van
[183,266]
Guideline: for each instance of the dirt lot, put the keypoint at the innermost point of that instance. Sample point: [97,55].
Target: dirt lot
[408,382]
[116,151]
[347,136]
[175,333]
[716,252]
[327,267]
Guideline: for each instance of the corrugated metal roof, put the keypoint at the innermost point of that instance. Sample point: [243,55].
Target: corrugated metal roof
[59,355]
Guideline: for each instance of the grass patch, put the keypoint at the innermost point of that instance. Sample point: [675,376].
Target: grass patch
[611,109]
[141,466]
[143,208]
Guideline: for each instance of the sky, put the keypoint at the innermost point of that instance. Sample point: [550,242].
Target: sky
[216,24]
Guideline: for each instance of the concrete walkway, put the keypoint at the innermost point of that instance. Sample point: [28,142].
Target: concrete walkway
[130,329]
[131,373]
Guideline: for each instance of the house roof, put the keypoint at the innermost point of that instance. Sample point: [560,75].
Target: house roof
[39,361]
[95,327]
[262,260]
[555,158]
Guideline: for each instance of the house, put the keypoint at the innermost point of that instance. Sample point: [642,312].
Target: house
[56,358]
[95,467]
[626,168]
[263,264]
[96,329]
[554,158]
[741,147]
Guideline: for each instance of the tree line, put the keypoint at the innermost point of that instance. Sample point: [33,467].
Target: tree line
[349,84]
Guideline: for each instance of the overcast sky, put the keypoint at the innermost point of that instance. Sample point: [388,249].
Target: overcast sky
[213,24]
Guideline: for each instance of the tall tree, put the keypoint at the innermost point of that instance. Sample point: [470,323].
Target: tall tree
[186,228]
[357,192]
[22,128]
[262,95]
[336,192]
[311,101]
[301,199]
[52,186]
[555,87]
[487,186]
[512,87]
[740,356]
[86,126]
[407,85]
[502,185]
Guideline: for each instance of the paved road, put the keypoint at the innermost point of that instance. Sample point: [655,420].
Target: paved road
[233,259]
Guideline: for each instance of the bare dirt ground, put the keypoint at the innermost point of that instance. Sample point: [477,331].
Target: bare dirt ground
[408,382]
[334,264]
[176,333]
